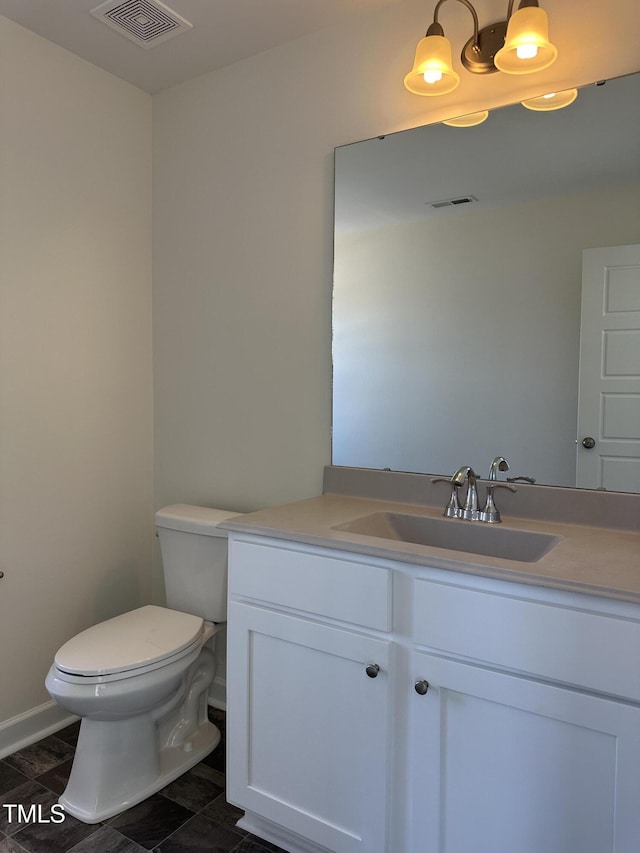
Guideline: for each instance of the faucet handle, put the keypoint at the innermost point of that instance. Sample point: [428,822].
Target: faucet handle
[452,509]
[496,485]
[490,512]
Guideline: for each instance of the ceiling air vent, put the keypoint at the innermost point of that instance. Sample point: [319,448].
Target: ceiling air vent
[452,202]
[146,22]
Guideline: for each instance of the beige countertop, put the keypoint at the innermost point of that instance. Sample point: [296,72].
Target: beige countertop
[588,559]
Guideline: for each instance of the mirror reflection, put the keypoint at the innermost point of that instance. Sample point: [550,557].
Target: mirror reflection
[458,279]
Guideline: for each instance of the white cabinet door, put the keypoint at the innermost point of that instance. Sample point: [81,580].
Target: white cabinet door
[307,728]
[504,764]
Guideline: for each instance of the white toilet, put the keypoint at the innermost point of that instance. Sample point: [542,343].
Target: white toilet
[140,681]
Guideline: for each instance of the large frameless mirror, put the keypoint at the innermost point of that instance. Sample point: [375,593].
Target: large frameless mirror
[458,285]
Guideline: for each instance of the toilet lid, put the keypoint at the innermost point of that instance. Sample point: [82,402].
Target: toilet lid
[131,641]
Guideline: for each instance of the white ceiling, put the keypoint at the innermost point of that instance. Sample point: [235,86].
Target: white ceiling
[224,32]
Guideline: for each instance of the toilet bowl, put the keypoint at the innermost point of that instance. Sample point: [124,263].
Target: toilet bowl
[138,730]
[140,681]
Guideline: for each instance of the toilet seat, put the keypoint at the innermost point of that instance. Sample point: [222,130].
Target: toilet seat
[136,642]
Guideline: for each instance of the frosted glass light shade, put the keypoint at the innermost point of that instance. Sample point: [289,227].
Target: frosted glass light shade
[552,101]
[469,120]
[527,34]
[433,58]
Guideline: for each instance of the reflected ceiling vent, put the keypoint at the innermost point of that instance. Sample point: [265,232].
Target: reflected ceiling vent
[146,22]
[451,202]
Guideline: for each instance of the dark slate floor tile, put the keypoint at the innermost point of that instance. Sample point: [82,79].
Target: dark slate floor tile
[218,718]
[10,845]
[200,835]
[70,733]
[53,837]
[217,758]
[10,777]
[107,840]
[262,845]
[195,788]
[223,812]
[29,794]
[151,821]
[251,844]
[56,779]
[36,759]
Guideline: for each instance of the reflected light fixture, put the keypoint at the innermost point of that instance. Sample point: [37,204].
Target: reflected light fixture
[519,45]
[552,101]
[469,120]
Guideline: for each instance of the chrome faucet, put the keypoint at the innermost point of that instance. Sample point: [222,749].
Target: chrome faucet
[453,509]
[498,464]
[470,510]
[501,464]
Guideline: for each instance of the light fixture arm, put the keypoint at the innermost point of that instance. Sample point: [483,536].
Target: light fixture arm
[523,4]
[436,29]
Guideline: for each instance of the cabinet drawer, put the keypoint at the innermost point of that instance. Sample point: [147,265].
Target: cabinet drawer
[572,645]
[290,576]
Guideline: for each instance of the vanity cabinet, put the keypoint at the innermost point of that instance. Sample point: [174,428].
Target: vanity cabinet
[502,717]
[308,701]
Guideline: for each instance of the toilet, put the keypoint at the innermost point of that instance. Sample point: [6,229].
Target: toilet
[140,681]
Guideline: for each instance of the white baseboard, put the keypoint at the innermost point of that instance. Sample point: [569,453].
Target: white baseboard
[31,726]
[283,838]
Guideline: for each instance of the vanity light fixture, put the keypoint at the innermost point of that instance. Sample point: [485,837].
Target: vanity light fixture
[469,120]
[552,101]
[519,45]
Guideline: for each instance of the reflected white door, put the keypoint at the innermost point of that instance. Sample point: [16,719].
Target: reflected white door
[608,438]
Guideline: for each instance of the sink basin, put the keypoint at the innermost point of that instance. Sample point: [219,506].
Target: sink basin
[471,537]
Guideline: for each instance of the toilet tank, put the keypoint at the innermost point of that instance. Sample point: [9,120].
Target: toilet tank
[194,559]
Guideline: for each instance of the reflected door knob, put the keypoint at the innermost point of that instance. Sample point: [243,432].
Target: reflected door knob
[372,670]
[589,442]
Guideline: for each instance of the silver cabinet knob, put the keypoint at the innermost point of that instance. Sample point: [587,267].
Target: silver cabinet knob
[372,670]
[421,687]
[589,442]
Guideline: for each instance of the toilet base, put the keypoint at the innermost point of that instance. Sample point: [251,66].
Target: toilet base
[124,781]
